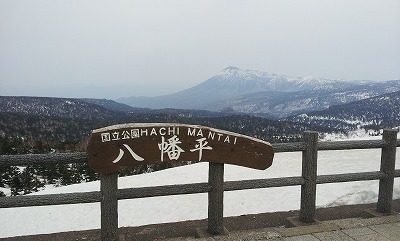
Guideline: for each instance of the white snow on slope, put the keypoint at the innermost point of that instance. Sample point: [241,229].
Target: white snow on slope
[136,212]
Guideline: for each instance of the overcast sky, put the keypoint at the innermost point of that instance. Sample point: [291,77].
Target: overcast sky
[111,49]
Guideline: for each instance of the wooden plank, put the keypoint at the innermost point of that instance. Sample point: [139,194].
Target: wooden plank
[350,145]
[167,190]
[289,147]
[329,145]
[80,157]
[49,199]
[309,173]
[128,145]
[350,177]
[109,207]
[216,198]
[31,159]
[263,183]
[388,161]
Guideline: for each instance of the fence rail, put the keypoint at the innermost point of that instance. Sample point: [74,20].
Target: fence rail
[109,193]
[80,157]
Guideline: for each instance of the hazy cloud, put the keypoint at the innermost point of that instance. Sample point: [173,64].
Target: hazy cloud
[110,49]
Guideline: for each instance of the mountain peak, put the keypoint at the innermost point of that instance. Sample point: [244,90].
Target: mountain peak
[231,68]
[234,73]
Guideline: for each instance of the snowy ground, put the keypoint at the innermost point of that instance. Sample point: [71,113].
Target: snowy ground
[50,219]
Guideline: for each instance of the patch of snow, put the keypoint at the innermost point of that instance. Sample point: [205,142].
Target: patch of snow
[6,191]
[351,122]
[359,134]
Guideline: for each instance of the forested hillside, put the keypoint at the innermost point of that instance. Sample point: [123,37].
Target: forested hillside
[33,125]
[374,113]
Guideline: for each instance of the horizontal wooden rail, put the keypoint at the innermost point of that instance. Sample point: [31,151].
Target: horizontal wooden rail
[50,199]
[31,159]
[289,147]
[348,145]
[80,157]
[331,145]
[350,177]
[263,183]
[169,190]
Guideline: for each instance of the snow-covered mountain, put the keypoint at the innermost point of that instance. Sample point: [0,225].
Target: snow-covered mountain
[373,113]
[239,81]
[229,83]
[283,104]
[265,94]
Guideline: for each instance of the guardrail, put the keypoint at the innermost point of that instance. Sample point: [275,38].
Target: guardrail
[109,193]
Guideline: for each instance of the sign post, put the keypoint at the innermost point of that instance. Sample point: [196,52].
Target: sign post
[128,145]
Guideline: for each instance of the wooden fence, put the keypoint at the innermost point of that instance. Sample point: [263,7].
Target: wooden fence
[109,193]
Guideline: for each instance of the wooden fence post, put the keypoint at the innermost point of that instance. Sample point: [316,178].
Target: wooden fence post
[109,207]
[388,160]
[216,198]
[309,173]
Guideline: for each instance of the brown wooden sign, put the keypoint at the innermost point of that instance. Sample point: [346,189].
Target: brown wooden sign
[128,145]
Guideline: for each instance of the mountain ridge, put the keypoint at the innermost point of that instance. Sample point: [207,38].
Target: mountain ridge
[229,83]
[67,118]
[378,112]
[21,115]
[283,104]
[266,94]
[55,107]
